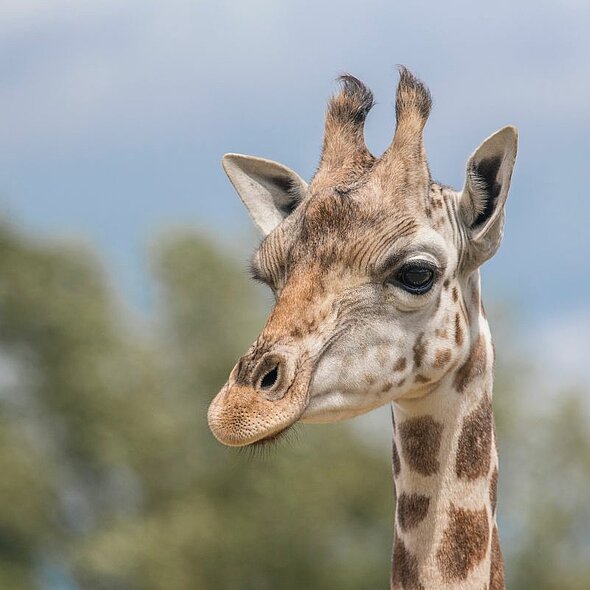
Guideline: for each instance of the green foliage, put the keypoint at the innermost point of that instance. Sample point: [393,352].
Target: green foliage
[549,492]
[111,478]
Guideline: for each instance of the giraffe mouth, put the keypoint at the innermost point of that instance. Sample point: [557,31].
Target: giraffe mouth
[238,431]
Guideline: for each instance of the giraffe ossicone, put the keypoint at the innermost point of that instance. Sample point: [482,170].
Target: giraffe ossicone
[375,269]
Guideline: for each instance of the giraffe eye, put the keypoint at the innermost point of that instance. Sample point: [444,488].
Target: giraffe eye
[415,277]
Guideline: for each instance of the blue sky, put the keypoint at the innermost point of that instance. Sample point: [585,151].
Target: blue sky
[114,116]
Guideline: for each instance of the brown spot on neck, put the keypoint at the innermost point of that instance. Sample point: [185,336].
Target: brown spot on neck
[475,443]
[411,510]
[404,575]
[497,563]
[464,544]
[420,443]
[397,467]
[494,491]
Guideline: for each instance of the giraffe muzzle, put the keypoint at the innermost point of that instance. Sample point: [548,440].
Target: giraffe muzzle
[264,395]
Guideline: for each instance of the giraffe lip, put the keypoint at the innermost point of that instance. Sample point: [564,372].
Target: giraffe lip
[271,439]
[254,440]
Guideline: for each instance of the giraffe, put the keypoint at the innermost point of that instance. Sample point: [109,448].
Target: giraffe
[375,271]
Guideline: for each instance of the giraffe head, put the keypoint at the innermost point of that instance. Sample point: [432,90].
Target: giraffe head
[372,265]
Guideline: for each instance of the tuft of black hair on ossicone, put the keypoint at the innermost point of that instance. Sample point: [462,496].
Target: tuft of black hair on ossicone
[353,103]
[412,96]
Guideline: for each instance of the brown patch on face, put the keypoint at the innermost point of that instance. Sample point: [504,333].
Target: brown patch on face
[441,358]
[458,330]
[473,367]
[464,543]
[421,379]
[419,350]
[400,365]
[420,440]
[411,510]
[386,387]
[405,568]
[442,333]
[437,303]
[397,466]
[497,563]
[296,332]
[494,490]
[401,382]
[455,295]
[428,212]
[446,284]
[475,443]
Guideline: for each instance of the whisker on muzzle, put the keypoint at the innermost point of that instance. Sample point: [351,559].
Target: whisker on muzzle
[266,447]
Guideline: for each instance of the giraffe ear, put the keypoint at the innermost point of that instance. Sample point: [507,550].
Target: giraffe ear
[269,190]
[481,204]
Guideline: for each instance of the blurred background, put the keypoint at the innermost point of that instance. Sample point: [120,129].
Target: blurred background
[124,300]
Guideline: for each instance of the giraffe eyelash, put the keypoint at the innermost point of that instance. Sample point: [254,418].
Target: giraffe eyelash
[256,273]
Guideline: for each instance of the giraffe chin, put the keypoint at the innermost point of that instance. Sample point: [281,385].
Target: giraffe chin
[335,406]
[273,438]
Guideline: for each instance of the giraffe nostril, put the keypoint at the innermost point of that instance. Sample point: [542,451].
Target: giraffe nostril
[272,376]
[269,379]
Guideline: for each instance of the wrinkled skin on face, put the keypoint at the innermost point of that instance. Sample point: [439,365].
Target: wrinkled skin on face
[346,334]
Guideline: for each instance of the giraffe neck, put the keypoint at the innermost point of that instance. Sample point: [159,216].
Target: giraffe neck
[445,473]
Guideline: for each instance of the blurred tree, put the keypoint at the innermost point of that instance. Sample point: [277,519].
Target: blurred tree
[544,485]
[552,548]
[111,480]
[83,419]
